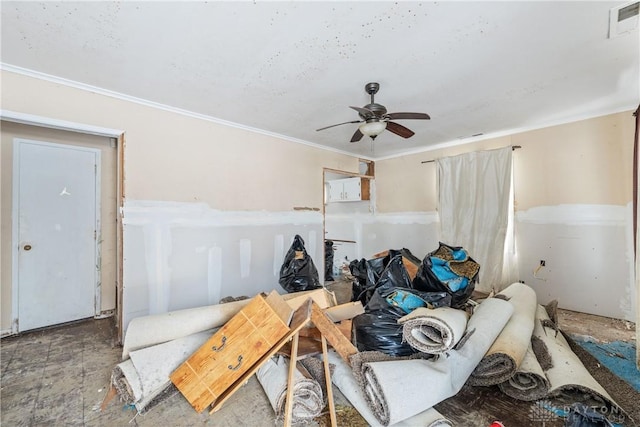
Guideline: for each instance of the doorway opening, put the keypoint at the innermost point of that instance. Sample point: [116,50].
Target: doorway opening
[37,158]
[348,199]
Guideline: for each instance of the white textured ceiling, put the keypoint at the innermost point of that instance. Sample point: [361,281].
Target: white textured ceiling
[291,67]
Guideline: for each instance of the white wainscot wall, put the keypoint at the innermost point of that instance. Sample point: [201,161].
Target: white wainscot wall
[588,254]
[184,255]
[373,233]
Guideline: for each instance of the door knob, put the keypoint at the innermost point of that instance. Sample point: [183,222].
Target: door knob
[27,247]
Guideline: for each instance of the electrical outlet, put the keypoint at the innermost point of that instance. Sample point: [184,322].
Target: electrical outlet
[543,263]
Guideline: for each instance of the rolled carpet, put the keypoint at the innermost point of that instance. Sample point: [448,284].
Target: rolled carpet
[143,379]
[566,372]
[529,382]
[433,331]
[345,381]
[390,387]
[508,351]
[155,329]
[307,394]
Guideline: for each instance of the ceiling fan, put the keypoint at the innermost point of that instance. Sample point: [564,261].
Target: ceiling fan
[375,119]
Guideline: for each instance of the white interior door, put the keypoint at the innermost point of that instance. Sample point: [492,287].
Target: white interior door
[56,218]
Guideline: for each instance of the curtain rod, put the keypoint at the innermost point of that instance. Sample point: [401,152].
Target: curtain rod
[513,147]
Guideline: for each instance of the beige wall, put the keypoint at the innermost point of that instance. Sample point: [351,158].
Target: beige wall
[573,185]
[172,157]
[586,162]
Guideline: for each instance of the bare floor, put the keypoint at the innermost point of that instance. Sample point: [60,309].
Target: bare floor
[60,376]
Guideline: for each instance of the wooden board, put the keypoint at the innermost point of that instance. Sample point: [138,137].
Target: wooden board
[322,297]
[313,332]
[332,334]
[279,305]
[300,318]
[306,347]
[344,311]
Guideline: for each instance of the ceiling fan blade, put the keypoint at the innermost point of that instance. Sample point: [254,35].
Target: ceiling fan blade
[401,116]
[365,112]
[357,136]
[399,130]
[345,123]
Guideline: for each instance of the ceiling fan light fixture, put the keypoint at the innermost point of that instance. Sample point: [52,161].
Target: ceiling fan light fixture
[373,128]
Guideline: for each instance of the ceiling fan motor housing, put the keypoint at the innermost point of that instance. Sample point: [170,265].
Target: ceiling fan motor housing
[377,109]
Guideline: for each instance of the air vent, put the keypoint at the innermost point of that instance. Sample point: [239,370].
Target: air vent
[623,19]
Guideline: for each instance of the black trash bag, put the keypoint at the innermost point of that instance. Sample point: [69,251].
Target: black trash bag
[370,274]
[298,272]
[581,415]
[411,257]
[328,261]
[375,267]
[461,269]
[358,269]
[394,275]
[376,275]
[378,330]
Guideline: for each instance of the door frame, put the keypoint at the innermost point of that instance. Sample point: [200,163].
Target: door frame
[119,136]
[15,213]
[368,174]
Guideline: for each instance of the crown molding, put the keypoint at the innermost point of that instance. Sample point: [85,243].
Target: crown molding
[140,101]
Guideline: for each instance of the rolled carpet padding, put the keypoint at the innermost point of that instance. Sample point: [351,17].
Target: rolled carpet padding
[433,331]
[529,382]
[390,388]
[348,385]
[566,372]
[308,401]
[508,351]
[155,329]
[143,379]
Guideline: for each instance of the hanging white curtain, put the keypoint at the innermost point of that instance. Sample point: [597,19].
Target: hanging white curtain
[475,206]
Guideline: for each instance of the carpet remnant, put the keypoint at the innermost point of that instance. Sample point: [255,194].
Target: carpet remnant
[345,416]
[308,400]
[618,356]
[387,386]
[542,353]
[508,351]
[568,376]
[623,393]
[529,383]
[467,268]
[552,310]
[433,331]
[315,368]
